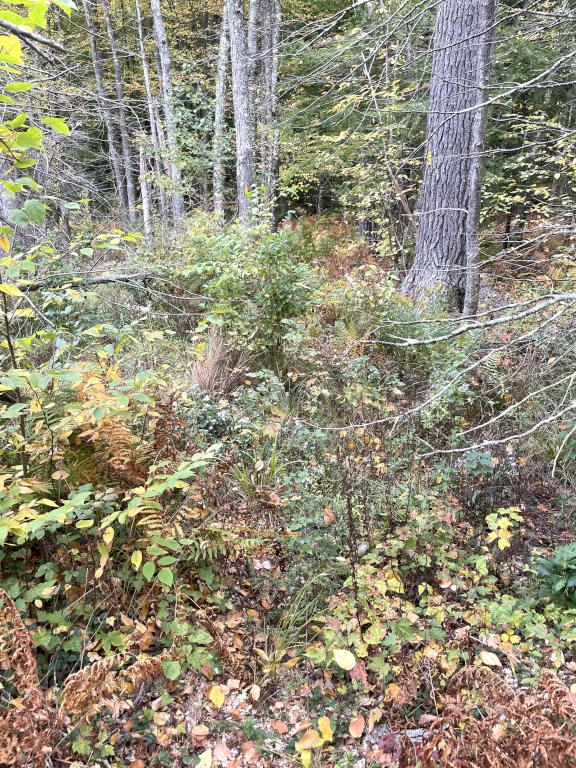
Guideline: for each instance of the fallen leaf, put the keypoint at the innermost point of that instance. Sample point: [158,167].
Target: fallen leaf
[216,696]
[356,727]
[221,751]
[279,726]
[255,692]
[374,717]
[344,658]
[325,727]
[328,516]
[310,740]
[200,731]
[205,760]
[490,659]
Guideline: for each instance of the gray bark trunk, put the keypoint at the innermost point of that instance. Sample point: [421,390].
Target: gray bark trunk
[440,259]
[484,56]
[220,122]
[269,134]
[242,108]
[168,107]
[122,115]
[154,138]
[104,106]
[145,194]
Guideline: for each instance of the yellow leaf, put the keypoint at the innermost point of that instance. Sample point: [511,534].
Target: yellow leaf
[136,559]
[490,659]
[4,243]
[216,696]
[356,727]
[310,740]
[429,157]
[306,757]
[108,535]
[325,727]
[205,760]
[344,658]
[10,289]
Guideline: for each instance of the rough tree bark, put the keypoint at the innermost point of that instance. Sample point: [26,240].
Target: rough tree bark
[104,106]
[122,114]
[462,29]
[242,107]
[168,107]
[220,121]
[484,55]
[269,134]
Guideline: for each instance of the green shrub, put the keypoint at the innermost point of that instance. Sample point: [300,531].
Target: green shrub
[559,572]
[251,284]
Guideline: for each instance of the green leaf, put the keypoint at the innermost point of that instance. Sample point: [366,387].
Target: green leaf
[84,524]
[166,577]
[148,570]
[19,87]
[57,124]
[172,668]
[31,138]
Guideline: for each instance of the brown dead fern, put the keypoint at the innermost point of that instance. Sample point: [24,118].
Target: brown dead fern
[499,727]
[25,719]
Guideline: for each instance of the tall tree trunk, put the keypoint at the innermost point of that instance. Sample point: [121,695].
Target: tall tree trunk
[122,117]
[269,134]
[154,138]
[220,121]
[145,194]
[168,107]
[440,260]
[104,106]
[484,68]
[242,108]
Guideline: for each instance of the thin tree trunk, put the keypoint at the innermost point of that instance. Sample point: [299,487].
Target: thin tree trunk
[122,115]
[220,121]
[168,107]
[242,110]
[269,133]
[144,192]
[104,106]
[154,138]
[485,49]
[440,260]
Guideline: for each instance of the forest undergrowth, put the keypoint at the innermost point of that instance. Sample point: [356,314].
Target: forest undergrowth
[260,509]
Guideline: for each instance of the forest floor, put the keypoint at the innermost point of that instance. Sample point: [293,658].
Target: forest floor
[278,574]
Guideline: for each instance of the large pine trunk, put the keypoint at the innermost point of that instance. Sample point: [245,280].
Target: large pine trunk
[463,32]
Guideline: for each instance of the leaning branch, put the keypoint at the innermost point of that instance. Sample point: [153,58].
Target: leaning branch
[82,281]
[27,34]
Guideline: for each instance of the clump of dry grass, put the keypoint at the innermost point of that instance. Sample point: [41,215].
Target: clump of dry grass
[220,370]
